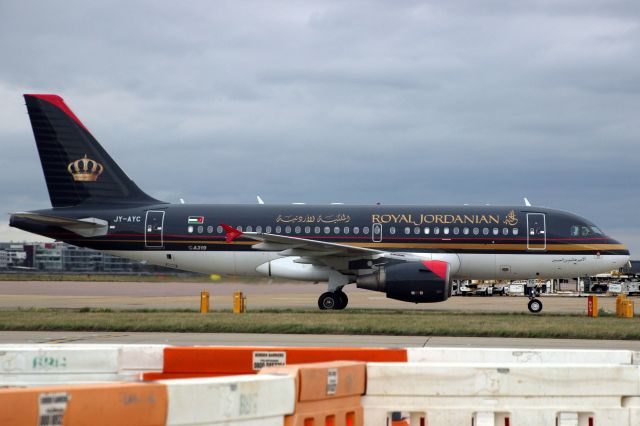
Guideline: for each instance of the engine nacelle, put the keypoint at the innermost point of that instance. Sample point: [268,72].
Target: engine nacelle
[418,282]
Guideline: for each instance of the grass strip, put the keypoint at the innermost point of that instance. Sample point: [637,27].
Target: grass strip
[362,322]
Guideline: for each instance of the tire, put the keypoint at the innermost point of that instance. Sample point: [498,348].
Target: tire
[535,306]
[343,300]
[328,301]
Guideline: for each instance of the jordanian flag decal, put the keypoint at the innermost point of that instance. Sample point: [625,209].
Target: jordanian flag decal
[196,219]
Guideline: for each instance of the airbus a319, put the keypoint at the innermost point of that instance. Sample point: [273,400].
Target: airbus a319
[409,252]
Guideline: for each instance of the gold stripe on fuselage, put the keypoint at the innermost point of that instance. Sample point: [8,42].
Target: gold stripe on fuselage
[450,246]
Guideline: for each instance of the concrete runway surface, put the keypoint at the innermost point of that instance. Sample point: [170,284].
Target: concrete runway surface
[306,340]
[161,295]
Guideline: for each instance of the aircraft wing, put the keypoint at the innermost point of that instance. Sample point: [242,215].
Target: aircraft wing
[295,246]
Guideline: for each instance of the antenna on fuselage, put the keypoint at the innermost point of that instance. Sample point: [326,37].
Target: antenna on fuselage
[181,200]
[526,202]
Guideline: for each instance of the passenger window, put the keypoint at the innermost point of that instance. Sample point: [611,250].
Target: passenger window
[515,231]
[268,229]
[407,230]
[327,230]
[356,230]
[278,229]
[346,229]
[210,229]
[496,231]
[336,230]
[258,228]
[476,231]
[446,230]
[392,230]
[200,229]
[485,231]
[316,230]
[456,230]
[298,229]
[505,231]
[307,229]
[219,229]
[436,230]
[465,231]
[190,229]
[416,230]
[365,230]
[249,228]
[287,229]
[426,230]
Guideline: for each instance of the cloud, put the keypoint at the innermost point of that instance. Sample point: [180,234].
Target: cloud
[412,102]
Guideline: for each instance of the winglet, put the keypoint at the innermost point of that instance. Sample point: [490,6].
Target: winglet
[232,233]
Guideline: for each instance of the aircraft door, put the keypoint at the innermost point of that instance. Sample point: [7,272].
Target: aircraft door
[376,232]
[536,231]
[153,229]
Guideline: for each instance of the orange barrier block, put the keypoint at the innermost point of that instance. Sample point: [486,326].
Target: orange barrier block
[154,375]
[104,404]
[248,360]
[327,393]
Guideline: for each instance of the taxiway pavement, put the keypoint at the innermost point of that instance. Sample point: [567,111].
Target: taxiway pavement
[177,295]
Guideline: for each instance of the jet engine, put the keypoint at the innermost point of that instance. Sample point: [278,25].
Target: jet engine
[418,282]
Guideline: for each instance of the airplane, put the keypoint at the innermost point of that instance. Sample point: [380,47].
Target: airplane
[409,252]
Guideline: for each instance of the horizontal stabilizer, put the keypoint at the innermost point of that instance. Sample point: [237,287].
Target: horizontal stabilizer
[85,227]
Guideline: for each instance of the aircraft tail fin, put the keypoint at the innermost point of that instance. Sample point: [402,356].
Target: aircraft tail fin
[76,168]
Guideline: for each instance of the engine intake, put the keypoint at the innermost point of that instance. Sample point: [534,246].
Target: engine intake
[418,282]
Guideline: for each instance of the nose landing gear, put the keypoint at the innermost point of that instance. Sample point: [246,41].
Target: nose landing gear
[333,300]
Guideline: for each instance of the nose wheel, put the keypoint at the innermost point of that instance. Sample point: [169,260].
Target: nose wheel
[535,305]
[335,300]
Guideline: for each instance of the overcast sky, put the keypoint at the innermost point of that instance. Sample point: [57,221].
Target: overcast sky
[445,102]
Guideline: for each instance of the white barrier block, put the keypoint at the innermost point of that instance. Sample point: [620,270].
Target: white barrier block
[524,356]
[41,364]
[57,359]
[521,411]
[20,380]
[633,405]
[243,400]
[452,379]
[140,358]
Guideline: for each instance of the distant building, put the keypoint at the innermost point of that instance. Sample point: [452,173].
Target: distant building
[4,259]
[62,257]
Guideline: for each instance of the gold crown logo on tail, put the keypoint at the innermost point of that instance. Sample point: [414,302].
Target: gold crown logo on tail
[85,169]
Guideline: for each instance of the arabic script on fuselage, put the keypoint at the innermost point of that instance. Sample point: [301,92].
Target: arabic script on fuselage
[334,218]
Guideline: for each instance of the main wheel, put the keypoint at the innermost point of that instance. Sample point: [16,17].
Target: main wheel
[535,306]
[343,300]
[328,301]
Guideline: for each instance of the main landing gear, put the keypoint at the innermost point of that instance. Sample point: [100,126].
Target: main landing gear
[535,305]
[333,300]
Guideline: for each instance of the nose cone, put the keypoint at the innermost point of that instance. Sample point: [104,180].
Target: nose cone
[621,256]
[621,249]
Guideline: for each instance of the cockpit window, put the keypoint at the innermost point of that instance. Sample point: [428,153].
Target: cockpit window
[585,231]
[596,230]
